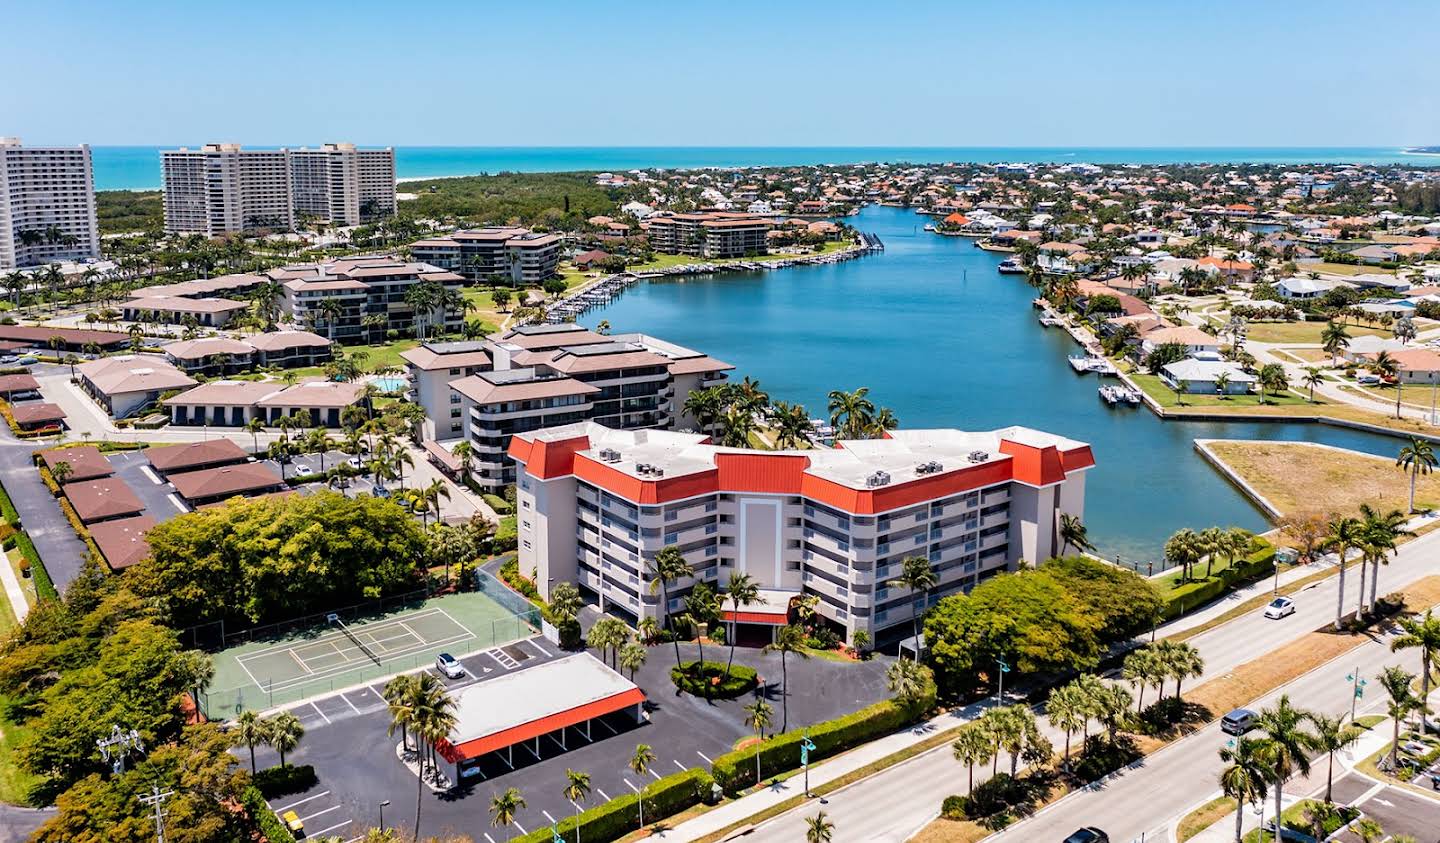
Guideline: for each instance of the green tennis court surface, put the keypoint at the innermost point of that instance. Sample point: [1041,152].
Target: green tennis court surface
[261,674]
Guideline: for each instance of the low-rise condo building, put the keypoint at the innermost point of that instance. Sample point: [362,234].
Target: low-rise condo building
[517,255]
[221,188]
[596,504]
[358,299]
[709,235]
[47,205]
[539,376]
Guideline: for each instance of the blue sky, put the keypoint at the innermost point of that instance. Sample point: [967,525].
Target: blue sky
[1214,73]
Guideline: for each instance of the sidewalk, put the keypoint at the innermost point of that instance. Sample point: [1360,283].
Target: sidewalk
[13,591]
[1239,596]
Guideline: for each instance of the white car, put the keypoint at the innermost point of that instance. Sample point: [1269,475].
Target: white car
[354,462]
[448,665]
[1280,607]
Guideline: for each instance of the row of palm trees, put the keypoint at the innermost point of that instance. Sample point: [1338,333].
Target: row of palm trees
[1374,535]
[1159,663]
[730,413]
[282,733]
[1189,547]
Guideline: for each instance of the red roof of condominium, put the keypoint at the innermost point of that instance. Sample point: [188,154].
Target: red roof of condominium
[193,455]
[86,462]
[122,542]
[227,480]
[97,499]
[37,412]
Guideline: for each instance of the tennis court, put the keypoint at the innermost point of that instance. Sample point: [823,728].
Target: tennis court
[326,654]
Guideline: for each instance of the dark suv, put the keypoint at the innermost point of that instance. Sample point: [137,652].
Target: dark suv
[1088,834]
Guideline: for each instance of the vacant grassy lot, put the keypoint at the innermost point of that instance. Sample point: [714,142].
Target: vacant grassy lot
[1345,269]
[1299,477]
[1286,332]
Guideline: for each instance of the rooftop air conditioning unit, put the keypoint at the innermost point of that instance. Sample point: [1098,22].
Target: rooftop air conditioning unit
[879,478]
[609,455]
[979,456]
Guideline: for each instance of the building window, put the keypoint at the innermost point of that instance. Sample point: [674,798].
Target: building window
[792,566]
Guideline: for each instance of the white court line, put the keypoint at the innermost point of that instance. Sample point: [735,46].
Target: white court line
[319,712]
[309,817]
[150,473]
[350,663]
[303,801]
[682,767]
[542,650]
[303,666]
[547,816]
[603,794]
[703,755]
[351,704]
[325,831]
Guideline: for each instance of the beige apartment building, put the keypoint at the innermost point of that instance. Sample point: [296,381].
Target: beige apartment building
[596,504]
[222,187]
[709,235]
[518,255]
[47,205]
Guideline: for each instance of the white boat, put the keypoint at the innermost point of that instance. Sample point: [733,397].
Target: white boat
[929,226]
[1010,266]
[1113,395]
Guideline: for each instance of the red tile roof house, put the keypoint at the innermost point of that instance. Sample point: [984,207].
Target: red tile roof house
[122,541]
[103,500]
[86,462]
[216,484]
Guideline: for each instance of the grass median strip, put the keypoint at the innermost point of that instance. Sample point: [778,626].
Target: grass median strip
[1203,817]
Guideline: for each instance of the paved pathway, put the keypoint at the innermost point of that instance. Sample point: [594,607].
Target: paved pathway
[13,590]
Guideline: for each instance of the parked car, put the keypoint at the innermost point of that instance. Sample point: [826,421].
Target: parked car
[1368,380]
[292,822]
[8,359]
[1088,834]
[303,470]
[27,360]
[1238,722]
[354,462]
[449,665]
[1280,607]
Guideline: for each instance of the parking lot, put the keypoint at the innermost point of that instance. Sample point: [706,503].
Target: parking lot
[358,767]
[1398,810]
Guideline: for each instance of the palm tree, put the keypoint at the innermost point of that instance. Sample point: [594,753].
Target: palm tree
[792,425]
[283,732]
[1418,458]
[61,471]
[1273,378]
[255,427]
[1379,532]
[1388,367]
[1073,532]
[1422,634]
[504,807]
[667,567]
[434,720]
[577,790]
[758,716]
[1246,779]
[973,746]
[1068,710]
[1334,339]
[856,410]
[1111,704]
[1287,745]
[1212,541]
[632,657]
[702,608]
[908,681]
[919,577]
[1332,735]
[1222,385]
[399,698]
[788,639]
[1398,684]
[819,829]
[1346,533]
[1180,661]
[1183,547]
[1141,668]
[1312,379]
[250,730]
[640,762]
[742,591]
[607,634]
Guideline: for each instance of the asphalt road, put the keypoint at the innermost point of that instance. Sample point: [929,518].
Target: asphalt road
[895,804]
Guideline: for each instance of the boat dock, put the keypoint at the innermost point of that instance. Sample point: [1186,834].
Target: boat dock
[1119,395]
[1085,363]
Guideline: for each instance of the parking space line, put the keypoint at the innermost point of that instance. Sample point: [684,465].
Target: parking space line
[175,499]
[319,712]
[151,475]
[542,650]
[325,831]
[657,775]
[522,828]
[630,785]
[302,801]
[603,794]
[703,755]
[488,837]
[309,817]
[547,816]
[351,704]
[682,767]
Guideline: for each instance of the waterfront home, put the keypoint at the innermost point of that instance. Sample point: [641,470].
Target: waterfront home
[1200,374]
[1308,289]
[1415,365]
[1195,340]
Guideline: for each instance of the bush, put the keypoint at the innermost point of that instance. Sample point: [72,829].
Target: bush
[735,770]
[620,816]
[507,536]
[283,781]
[712,683]
[1259,564]
[823,638]
[270,826]
[44,586]
[7,509]
[1101,757]
[48,479]
[499,504]
[953,808]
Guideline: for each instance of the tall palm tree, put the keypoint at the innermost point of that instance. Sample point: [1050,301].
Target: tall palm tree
[1074,532]
[504,807]
[1247,778]
[819,829]
[741,591]
[1417,458]
[640,761]
[1379,533]
[1345,534]
[792,425]
[435,718]
[1399,685]
[1334,339]
[666,568]
[400,700]
[632,657]
[577,790]
[1180,661]
[1332,734]
[1068,710]
[758,716]
[1141,668]
[255,427]
[917,575]
[1287,745]
[283,733]
[1312,379]
[788,639]
[851,413]
[973,746]
[250,730]
[908,681]
[1184,547]
[1422,634]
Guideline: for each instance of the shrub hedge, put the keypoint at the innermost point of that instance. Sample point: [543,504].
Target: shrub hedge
[620,816]
[735,770]
[740,680]
[44,586]
[1259,564]
[7,509]
[270,825]
[283,781]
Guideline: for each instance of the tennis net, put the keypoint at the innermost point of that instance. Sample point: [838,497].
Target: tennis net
[335,619]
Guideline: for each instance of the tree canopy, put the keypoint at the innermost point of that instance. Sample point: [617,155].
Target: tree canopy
[269,559]
[1122,600]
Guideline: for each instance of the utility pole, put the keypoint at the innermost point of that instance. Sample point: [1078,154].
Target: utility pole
[119,745]
[156,798]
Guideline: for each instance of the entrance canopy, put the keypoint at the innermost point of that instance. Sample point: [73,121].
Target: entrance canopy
[773,609]
[499,713]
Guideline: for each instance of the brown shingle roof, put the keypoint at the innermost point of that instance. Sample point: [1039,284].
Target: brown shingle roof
[574,364]
[95,500]
[281,340]
[225,481]
[86,462]
[18,383]
[170,458]
[693,365]
[320,394]
[122,541]
[37,412]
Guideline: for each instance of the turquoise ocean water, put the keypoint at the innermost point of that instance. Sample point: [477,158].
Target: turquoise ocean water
[138,167]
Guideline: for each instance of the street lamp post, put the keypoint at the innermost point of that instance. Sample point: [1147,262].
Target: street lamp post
[1000,691]
[382,814]
[805,746]
[1357,686]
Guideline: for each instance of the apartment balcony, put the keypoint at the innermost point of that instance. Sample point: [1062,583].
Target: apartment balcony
[692,534]
[994,520]
[994,496]
[993,541]
[827,542]
[827,520]
[821,585]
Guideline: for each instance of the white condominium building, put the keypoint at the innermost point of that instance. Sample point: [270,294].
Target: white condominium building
[517,255]
[47,205]
[596,504]
[222,188]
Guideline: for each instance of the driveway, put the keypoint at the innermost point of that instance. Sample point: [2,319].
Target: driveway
[59,548]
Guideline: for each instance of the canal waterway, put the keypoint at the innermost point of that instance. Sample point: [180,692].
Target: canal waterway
[944,340]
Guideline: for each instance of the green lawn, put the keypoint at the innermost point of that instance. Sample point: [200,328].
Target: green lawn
[1344,268]
[1306,332]
[378,356]
[1156,388]
[15,784]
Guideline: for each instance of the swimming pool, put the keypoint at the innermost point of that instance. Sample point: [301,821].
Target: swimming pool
[390,384]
